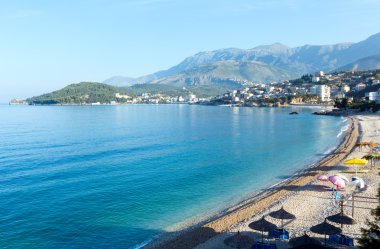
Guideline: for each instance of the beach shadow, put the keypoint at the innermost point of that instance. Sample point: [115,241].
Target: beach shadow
[328,168]
[308,187]
[332,153]
[188,239]
[306,173]
[253,234]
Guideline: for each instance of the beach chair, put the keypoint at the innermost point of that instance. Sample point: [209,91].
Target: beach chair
[263,245]
[342,239]
[279,234]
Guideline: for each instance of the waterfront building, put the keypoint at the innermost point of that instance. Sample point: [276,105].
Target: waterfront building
[17,102]
[373,96]
[322,91]
[122,96]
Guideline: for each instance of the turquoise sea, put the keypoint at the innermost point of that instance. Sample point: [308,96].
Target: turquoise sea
[117,176]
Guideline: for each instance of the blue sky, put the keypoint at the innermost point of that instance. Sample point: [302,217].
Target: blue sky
[45,45]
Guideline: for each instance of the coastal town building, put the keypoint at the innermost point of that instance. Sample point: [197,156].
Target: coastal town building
[315,79]
[360,86]
[322,91]
[17,102]
[373,96]
[122,96]
[320,74]
[346,88]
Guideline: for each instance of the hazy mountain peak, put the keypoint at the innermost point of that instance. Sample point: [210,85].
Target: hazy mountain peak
[274,46]
[120,81]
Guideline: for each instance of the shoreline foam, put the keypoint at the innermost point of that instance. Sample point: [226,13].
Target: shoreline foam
[198,234]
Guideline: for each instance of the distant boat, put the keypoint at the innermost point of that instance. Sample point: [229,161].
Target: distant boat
[293,113]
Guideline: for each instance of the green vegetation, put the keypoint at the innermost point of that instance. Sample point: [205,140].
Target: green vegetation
[341,103]
[84,92]
[306,78]
[377,76]
[92,92]
[371,235]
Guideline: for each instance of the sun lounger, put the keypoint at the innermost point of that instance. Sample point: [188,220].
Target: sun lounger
[342,239]
[260,245]
[279,234]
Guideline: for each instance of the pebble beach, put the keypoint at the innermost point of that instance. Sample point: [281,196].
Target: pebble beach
[309,199]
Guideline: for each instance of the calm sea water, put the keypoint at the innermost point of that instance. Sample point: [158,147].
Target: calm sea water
[116,176]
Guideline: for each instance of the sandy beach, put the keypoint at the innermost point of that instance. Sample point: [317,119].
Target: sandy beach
[303,195]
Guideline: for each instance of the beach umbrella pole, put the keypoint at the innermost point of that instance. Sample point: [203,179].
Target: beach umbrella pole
[282,224]
[341,212]
[353,204]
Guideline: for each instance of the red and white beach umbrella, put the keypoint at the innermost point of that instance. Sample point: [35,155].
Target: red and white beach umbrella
[343,178]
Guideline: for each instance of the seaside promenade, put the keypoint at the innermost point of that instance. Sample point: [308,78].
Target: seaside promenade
[303,195]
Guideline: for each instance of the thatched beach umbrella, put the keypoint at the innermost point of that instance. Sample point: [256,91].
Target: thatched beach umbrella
[372,157]
[304,241]
[283,215]
[325,229]
[342,219]
[239,241]
[262,225]
[364,143]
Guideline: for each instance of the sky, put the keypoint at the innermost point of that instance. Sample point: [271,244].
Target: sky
[46,45]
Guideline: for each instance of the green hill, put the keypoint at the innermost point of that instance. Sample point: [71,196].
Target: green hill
[84,92]
[92,92]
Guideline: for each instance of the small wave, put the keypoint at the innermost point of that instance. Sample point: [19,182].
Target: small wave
[344,120]
[141,245]
[328,151]
[344,128]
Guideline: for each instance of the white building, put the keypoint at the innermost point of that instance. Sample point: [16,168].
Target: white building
[373,96]
[322,91]
[315,79]
[346,88]
[360,86]
[193,98]
[122,96]
[320,74]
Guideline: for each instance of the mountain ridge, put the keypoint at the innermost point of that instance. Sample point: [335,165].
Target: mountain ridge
[280,61]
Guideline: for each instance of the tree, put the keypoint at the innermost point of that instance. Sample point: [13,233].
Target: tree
[371,235]
[341,103]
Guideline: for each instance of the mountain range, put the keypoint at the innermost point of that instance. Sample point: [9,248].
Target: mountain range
[228,68]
